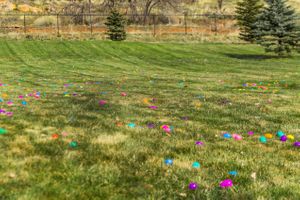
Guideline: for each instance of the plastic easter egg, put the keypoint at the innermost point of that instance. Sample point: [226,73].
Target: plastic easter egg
[250,133]
[151,125]
[102,102]
[283,138]
[227,135]
[24,103]
[73,144]
[196,165]
[226,183]
[9,114]
[193,186]
[233,173]
[131,125]
[280,133]
[263,139]
[237,137]
[166,128]
[3,131]
[153,107]
[123,94]
[185,118]
[290,137]
[168,161]
[119,124]
[55,136]
[64,134]
[297,144]
[199,143]
[269,135]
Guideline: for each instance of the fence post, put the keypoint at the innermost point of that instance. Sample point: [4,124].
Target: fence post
[216,24]
[24,24]
[57,25]
[91,25]
[185,23]
[154,25]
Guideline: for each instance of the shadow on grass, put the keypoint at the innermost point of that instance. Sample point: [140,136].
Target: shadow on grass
[251,56]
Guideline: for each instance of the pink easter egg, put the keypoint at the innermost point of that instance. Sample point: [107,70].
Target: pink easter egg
[102,102]
[226,183]
[9,114]
[237,137]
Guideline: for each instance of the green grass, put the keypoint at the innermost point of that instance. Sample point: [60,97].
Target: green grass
[200,81]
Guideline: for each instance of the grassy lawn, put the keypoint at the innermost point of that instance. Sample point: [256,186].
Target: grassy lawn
[50,93]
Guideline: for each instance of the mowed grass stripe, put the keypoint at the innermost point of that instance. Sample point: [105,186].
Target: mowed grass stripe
[199,82]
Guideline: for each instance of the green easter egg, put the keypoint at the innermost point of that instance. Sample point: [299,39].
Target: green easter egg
[73,144]
[3,131]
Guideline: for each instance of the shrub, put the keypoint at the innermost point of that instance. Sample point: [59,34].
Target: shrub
[276,28]
[247,12]
[116,26]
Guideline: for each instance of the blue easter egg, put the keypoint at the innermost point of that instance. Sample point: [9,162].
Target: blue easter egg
[227,135]
[280,133]
[263,139]
[169,161]
[233,173]
[196,165]
[24,103]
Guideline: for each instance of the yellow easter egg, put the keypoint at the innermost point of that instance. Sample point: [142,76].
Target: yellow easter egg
[290,137]
[4,95]
[197,104]
[146,101]
[268,135]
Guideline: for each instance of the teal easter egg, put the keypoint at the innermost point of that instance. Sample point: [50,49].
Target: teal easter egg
[73,144]
[263,139]
[280,133]
[196,165]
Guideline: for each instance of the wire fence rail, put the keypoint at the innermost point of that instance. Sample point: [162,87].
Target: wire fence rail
[93,24]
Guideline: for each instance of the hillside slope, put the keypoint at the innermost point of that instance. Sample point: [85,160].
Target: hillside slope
[38,6]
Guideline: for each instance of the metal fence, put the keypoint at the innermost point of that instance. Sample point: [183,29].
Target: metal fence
[91,25]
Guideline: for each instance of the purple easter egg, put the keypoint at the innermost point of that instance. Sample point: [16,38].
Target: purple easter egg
[151,125]
[185,118]
[226,183]
[283,138]
[193,186]
[199,143]
[297,144]
[153,107]
[250,132]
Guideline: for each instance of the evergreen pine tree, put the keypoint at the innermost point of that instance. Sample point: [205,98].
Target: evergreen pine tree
[116,26]
[247,12]
[276,28]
